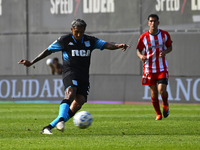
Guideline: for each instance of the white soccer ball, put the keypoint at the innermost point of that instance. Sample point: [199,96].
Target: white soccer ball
[49,61]
[82,119]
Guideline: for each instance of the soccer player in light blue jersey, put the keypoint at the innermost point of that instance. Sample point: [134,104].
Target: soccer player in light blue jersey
[76,51]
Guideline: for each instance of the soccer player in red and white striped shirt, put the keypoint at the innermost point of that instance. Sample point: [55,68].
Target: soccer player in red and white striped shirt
[155,43]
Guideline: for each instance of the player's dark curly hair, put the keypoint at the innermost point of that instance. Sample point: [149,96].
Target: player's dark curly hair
[153,16]
[78,23]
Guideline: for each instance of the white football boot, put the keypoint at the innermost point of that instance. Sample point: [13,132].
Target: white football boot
[46,131]
[60,126]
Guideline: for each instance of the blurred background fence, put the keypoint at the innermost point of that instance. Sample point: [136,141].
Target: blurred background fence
[27,27]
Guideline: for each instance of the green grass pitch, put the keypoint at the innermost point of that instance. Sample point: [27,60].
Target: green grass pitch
[119,127]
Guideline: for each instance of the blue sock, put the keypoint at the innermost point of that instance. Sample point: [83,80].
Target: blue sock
[63,112]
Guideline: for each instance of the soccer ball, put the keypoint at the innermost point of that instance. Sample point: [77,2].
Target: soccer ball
[49,61]
[82,119]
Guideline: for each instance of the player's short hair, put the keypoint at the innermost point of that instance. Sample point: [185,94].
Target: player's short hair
[153,16]
[78,23]
[55,59]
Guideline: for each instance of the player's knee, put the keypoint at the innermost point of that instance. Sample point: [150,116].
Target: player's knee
[154,93]
[79,101]
[77,105]
[162,92]
[70,93]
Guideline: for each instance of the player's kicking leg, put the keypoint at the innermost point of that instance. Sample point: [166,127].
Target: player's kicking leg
[75,106]
[65,112]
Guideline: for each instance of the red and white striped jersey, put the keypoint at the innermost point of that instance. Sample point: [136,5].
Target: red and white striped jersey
[152,45]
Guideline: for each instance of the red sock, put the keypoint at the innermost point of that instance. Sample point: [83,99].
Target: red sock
[156,105]
[165,99]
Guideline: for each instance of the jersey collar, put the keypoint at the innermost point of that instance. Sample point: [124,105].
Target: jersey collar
[76,41]
[156,33]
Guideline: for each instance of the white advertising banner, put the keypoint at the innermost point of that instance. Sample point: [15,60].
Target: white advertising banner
[103,88]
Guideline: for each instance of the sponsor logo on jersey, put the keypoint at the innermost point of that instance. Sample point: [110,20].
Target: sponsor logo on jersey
[155,46]
[156,41]
[163,39]
[75,82]
[81,53]
[70,43]
[87,43]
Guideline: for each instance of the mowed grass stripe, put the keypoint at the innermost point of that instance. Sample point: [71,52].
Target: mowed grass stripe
[114,127]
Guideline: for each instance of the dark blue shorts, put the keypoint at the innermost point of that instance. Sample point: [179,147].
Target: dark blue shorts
[82,86]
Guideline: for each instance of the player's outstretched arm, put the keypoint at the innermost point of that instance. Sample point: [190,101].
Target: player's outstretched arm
[114,46]
[42,55]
